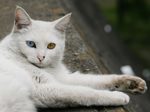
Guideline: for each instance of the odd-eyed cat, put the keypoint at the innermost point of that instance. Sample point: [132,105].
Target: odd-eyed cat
[32,73]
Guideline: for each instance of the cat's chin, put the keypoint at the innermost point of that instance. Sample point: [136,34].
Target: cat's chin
[39,65]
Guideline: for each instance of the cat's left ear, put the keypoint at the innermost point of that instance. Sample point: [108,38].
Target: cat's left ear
[62,23]
[22,19]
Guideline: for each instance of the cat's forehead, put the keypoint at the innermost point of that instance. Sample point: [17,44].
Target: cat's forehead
[42,30]
[42,25]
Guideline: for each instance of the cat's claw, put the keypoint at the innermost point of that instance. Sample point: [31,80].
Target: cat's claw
[132,84]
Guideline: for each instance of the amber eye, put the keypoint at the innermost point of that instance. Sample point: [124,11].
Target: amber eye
[51,45]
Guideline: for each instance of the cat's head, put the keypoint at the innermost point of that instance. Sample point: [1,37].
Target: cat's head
[42,43]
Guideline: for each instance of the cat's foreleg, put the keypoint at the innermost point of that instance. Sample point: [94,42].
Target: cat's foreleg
[125,83]
[60,95]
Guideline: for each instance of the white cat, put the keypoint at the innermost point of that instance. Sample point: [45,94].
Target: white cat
[32,73]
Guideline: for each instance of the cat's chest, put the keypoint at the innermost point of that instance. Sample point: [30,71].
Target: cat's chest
[52,71]
[39,75]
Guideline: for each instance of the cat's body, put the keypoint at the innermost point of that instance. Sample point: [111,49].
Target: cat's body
[33,73]
[15,85]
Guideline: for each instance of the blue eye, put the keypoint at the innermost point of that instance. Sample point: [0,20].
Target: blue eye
[31,44]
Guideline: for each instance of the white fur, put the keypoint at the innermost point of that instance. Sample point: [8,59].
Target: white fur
[26,83]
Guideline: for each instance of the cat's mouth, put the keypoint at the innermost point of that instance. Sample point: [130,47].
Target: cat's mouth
[39,65]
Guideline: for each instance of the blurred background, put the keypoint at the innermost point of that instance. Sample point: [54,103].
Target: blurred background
[120,32]
[131,20]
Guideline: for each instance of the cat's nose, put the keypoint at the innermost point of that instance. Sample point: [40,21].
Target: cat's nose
[41,58]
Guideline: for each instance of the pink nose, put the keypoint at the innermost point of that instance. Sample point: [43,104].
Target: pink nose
[40,58]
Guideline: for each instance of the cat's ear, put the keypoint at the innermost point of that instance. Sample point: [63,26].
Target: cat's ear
[22,19]
[61,24]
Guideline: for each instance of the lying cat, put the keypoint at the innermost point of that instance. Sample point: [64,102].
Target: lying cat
[32,73]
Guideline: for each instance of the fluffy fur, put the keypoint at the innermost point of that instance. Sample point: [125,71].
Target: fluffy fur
[26,82]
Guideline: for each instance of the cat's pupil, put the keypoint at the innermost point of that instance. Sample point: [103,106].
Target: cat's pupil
[31,44]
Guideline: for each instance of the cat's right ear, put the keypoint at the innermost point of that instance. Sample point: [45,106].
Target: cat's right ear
[22,19]
[62,23]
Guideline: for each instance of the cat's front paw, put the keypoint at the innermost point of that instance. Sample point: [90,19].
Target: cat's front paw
[39,79]
[131,84]
[120,98]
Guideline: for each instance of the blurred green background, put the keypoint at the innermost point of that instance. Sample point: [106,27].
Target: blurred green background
[131,20]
